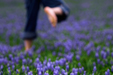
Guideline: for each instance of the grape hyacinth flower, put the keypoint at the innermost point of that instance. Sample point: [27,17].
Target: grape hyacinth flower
[94,69]
[13,67]
[63,71]
[94,64]
[24,61]
[73,70]
[111,62]
[80,70]
[77,57]
[10,56]
[111,68]
[112,54]
[23,68]
[76,73]
[45,68]
[108,71]
[98,61]
[27,69]
[30,53]
[37,60]
[55,72]
[102,63]
[1,67]
[17,71]
[84,73]
[108,52]
[49,65]
[72,73]
[96,55]
[46,73]
[67,67]
[39,73]
[30,73]
[57,68]
[79,64]
[53,53]
[1,72]
[8,68]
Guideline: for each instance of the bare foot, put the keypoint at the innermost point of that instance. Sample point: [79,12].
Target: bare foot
[28,44]
[51,16]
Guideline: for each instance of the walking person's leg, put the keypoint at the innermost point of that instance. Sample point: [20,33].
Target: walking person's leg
[57,11]
[32,7]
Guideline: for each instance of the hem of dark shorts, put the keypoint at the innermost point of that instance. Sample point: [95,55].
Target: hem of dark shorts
[65,14]
[28,35]
[65,10]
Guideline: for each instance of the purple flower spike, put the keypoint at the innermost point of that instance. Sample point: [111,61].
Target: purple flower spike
[54,53]
[46,74]
[1,72]
[65,73]
[76,73]
[79,64]
[56,62]
[24,61]
[106,73]
[62,71]
[94,64]
[27,69]
[13,67]
[56,72]
[98,61]
[96,55]
[73,70]
[112,68]
[30,53]
[1,67]
[39,73]
[9,72]
[37,60]
[45,68]
[10,56]
[67,67]
[80,70]
[111,62]
[49,65]
[72,73]
[84,73]
[8,68]
[57,68]
[112,54]
[98,48]
[104,55]
[30,61]
[17,71]
[30,73]
[94,69]
[78,57]
[23,68]
[108,52]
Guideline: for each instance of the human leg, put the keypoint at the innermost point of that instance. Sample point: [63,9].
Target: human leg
[56,12]
[32,7]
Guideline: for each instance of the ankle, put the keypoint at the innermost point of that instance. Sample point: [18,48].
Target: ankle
[28,44]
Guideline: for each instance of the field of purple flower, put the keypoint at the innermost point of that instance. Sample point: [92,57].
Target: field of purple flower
[82,45]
